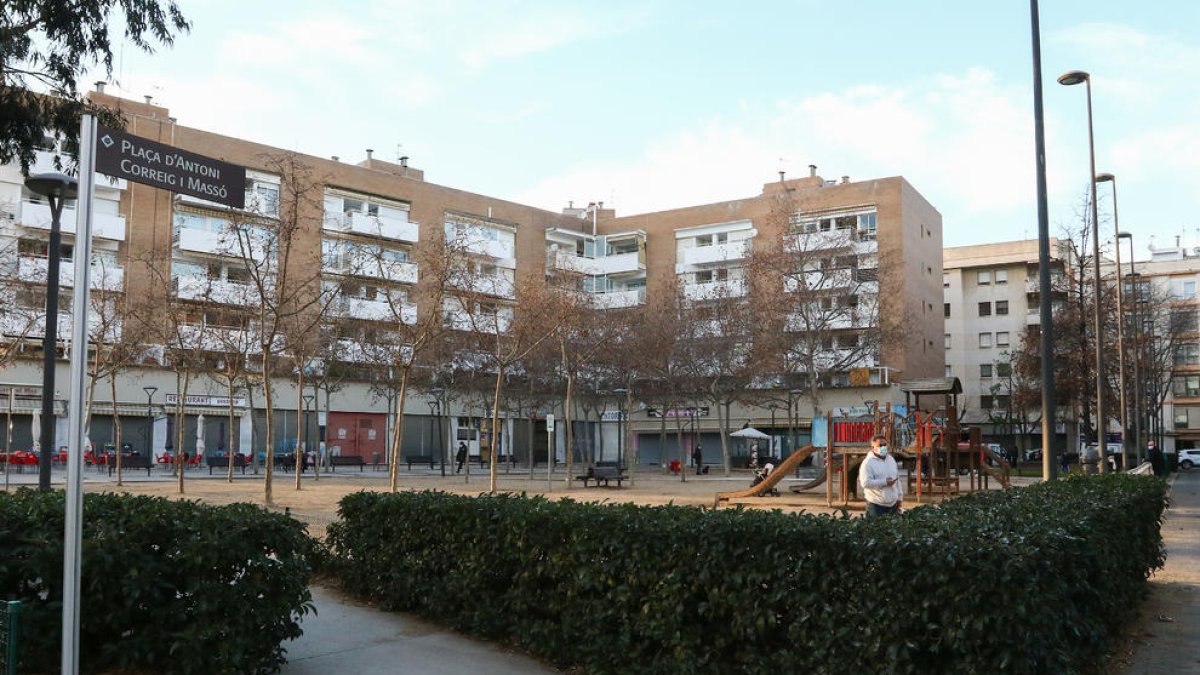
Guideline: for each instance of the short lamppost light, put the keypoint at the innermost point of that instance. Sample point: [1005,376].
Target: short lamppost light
[56,188]
[1068,79]
[150,389]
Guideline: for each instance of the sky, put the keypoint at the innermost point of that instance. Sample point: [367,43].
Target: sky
[660,104]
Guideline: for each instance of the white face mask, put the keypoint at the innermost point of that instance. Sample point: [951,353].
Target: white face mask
[881,451]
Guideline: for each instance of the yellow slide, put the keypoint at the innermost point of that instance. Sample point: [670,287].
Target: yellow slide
[1000,472]
[785,467]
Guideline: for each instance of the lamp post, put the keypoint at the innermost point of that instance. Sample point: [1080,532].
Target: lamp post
[1110,178]
[792,400]
[308,406]
[1134,278]
[149,419]
[622,392]
[1070,79]
[56,188]
[438,393]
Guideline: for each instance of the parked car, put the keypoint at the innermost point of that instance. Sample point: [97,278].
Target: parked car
[1188,458]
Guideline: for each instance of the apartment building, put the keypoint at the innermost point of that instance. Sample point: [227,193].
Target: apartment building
[991,299]
[1161,298]
[360,229]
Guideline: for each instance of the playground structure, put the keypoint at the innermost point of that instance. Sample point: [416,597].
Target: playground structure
[931,445]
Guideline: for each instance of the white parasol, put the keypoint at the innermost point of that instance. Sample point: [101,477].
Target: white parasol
[200,436]
[749,432]
[35,427]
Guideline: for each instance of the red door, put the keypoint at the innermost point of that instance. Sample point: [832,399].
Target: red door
[361,434]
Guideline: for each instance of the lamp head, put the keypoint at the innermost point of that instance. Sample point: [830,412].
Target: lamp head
[1105,178]
[150,390]
[437,391]
[620,390]
[54,185]
[1073,77]
[1124,235]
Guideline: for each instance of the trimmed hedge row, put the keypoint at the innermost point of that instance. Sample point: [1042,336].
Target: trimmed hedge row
[168,586]
[1022,581]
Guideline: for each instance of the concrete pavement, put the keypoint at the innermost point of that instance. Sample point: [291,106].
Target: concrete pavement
[1168,641]
[348,637]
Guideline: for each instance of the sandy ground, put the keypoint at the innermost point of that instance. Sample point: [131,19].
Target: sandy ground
[316,501]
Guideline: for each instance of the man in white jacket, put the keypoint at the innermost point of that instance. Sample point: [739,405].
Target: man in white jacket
[880,481]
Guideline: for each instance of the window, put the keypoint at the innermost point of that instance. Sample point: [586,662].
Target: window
[1001,276]
[985,371]
[1003,370]
[946,337]
[1002,339]
[985,340]
[866,226]
[985,402]
[946,308]
[985,277]
[1189,290]
[1187,354]
[1001,307]
[1186,385]
[1181,418]
[945,281]
[985,309]
[949,372]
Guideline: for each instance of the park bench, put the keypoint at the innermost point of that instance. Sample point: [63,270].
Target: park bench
[602,473]
[222,462]
[131,462]
[418,459]
[345,460]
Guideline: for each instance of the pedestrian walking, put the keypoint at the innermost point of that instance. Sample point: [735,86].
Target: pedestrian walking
[697,458]
[880,480]
[461,456]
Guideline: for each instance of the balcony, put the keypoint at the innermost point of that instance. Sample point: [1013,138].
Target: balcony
[484,322]
[102,277]
[373,226]
[503,252]
[43,162]
[217,339]
[215,290]
[715,290]
[31,324]
[618,299]
[104,226]
[378,310]
[621,263]
[715,254]
[497,286]
[365,264]
[224,244]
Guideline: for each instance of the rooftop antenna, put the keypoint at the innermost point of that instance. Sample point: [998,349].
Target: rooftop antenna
[782,168]
[400,152]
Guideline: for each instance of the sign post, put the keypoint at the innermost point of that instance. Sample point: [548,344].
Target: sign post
[549,452]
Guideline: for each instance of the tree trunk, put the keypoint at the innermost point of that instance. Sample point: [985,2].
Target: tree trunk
[630,449]
[398,432]
[268,404]
[299,453]
[229,433]
[722,424]
[495,430]
[569,422]
[112,381]
[182,380]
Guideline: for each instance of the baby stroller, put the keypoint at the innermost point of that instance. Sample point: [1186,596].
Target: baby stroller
[761,475]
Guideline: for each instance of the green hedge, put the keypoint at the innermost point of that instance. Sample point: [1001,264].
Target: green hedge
[167,587]
[1023,581]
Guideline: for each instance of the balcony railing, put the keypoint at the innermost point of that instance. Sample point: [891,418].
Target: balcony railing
[104,226]
[379,310]
[219,243]
[714,290]
[715,254]
[216,290]
[618,299]
[484,322]
[366,264]
[374,226]
[621,263]
[103,277]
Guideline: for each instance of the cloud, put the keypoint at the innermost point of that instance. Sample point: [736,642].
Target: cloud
[964,140]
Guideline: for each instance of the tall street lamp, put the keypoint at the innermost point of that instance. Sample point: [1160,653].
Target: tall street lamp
[793,395]
[1109,178]
[308,406]
[1134,278]
[149,418]
[57,188]
[1070,79]
[438,393]
[622,392]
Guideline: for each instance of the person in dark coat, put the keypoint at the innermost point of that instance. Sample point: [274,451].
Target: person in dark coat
[461,456]
[698,458]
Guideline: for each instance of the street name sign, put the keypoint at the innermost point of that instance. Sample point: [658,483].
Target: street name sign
[144,161]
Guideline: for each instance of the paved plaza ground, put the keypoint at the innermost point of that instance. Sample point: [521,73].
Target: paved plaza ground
[362,639]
